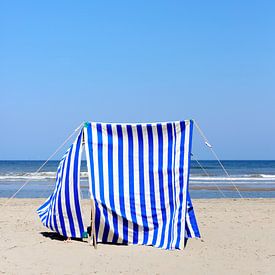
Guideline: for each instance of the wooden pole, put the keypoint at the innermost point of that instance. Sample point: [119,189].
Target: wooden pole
[93,233]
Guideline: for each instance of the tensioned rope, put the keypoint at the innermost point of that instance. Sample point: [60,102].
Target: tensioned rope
[216,156]
[206,173]
[69,137]
[40,168]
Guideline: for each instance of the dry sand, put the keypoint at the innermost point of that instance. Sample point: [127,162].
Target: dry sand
[238,237]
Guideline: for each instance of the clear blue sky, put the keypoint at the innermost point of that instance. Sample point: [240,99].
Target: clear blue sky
[64,62]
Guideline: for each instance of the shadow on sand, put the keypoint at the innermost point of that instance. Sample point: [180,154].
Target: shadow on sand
[55,236]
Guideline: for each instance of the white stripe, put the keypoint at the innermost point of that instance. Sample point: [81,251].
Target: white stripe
[173,182]
[43,209]
[185,174]
[156,184]
[88,159]
[136,185]
[53,203]
[190,225]
[71,189]
[126,183]
[147,184]
[97,186]
[51,213]
[177,182]
[116,184]
[46,210]
[165,183]
[106,181]
[89,166]
[78,180]
[58,197]
[63,199]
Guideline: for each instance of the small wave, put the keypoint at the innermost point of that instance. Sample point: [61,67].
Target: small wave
[194,178]
[246,183]
[237,178]
[267,176]
[34,176]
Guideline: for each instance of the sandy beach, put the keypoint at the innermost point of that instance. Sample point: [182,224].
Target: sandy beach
[238,237]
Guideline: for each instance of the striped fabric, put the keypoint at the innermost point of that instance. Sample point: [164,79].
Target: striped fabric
[138,180]
[62,212]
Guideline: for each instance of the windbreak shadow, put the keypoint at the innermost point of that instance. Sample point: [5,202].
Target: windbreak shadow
[55,236]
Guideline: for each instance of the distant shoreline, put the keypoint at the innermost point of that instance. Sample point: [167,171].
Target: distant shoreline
[255,179]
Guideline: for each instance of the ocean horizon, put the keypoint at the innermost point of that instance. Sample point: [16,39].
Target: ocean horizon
[253,178]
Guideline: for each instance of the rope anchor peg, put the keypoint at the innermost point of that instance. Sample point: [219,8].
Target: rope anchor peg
[208,144]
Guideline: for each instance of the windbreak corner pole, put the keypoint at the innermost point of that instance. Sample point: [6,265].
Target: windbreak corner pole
[93,233]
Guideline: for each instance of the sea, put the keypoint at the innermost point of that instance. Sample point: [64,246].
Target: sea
[253,179]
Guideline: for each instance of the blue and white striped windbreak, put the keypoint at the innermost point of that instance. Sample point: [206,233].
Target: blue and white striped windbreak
[62,211]
[138,180]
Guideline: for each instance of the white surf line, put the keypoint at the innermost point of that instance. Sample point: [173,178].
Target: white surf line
[216,156]
[39,169]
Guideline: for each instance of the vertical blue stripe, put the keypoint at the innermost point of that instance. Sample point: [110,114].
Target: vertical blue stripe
[120,181]
[132,183]
[100,161]
[93,187]
[47,206]
[141,184]
[152,182]
[49,202]
[48,220]
[161,184]
[174,183]
[49,215]
[192,216]
[52,213]
[101,181]
[56,191]
[77,184]
[181,181]
[67,195]
[170,181]
[111,181]
[54,203]
[59,199]
[187,231]
[192,213]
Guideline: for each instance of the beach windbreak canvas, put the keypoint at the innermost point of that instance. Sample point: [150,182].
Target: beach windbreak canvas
[62,210]
[138,180]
